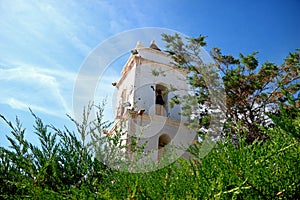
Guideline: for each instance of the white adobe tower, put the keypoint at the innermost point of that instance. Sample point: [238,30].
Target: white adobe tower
[148,81]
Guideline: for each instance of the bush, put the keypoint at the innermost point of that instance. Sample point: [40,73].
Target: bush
[62,166]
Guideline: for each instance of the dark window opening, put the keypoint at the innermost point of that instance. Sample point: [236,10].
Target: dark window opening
[163,140]
[160,100]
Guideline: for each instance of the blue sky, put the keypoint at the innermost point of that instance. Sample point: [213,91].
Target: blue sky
[44,43]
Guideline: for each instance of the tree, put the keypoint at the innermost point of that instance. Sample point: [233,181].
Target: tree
[252,90]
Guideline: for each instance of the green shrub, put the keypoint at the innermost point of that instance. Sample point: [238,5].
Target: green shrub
[62,166]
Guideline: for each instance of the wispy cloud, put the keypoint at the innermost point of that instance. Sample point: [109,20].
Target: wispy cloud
[46,90]
[42,31]
[43,44]
[50,91]
[20,105]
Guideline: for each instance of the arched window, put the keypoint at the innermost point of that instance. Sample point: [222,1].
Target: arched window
[160,100]
[163,140]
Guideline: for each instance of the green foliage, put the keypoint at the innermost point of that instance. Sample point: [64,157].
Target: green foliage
[61,164]
[288,118]
[258,171]
[62,167]
[252,90]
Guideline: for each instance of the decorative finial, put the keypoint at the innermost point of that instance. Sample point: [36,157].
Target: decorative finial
[139,45]
[154,46]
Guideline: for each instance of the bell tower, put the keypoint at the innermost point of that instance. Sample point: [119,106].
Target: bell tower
[149,80]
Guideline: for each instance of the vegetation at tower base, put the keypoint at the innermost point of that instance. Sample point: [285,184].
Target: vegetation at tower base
[59,164]
[63,167]
[252,90]
[63,164]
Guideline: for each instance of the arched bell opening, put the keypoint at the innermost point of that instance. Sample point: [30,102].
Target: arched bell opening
[163,141]
[161,102]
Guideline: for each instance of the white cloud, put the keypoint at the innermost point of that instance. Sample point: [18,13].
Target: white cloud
[50,91]
[25,72]
[80,45]
[57,35]
[42,31]
[43,89]
[20,105]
